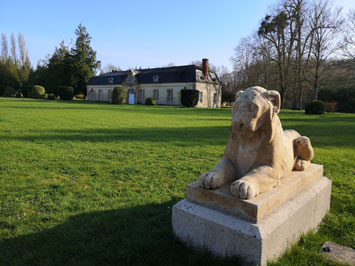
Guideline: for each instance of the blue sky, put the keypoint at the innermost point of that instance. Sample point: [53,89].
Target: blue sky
[139,33]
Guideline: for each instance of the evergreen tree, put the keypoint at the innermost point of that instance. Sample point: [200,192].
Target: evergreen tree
[84,60]
[60,69]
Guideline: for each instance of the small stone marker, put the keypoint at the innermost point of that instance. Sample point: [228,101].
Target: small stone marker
[338,252]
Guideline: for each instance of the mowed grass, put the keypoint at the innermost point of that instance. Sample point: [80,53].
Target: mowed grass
[93,184]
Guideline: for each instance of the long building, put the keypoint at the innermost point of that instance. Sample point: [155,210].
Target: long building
[163,84]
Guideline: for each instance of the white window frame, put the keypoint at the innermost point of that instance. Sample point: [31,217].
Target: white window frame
[142,95]
[200,96]
[170,95]
[155,78]
[156,95]
[101,95]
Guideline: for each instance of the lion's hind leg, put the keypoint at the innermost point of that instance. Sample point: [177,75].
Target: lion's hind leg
[304,153]
[301,165]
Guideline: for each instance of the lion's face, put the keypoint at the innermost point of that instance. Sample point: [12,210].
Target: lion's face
[250,111]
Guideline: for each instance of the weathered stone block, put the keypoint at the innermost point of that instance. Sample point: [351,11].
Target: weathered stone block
[227,234]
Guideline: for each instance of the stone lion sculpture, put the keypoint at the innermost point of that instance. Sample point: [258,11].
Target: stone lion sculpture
[258,152]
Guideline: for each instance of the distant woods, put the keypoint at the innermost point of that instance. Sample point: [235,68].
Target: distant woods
[305,49]
[15,66]
[67,66]
[300,48]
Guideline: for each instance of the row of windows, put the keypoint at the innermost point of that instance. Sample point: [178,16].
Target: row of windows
[156,95]
[200,97]
[92,95]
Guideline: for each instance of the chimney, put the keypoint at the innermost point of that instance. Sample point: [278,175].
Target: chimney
[205,67]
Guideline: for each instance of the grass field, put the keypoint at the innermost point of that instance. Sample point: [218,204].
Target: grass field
[93,184]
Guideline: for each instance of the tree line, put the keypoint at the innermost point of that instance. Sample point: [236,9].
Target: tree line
[301,47]
[305,49]
[15,69]
[67,66]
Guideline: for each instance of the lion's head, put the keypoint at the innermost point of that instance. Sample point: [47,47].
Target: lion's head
[252,108]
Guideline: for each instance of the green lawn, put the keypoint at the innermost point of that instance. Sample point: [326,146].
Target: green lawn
[93,184]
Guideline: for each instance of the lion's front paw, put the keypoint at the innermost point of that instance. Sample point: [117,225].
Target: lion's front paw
[211,180]
[301,165]
[243,189]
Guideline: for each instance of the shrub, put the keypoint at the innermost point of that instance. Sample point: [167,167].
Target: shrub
[66,93]
[51,96]
[315,107]
[343,96]
[38,92]
[9,92]
[119,95]
[26,91]
[2,90]
[150,101]
[19,95]
[228,97]
[80,96]
[330,106]
[189,98]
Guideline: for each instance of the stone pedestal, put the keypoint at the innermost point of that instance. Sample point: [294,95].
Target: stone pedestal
[259,229]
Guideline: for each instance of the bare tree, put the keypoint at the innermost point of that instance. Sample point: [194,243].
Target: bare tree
[169,65]
[22,49]
[4,48]
[279,30]
[243,59]
[348,44]
[326,24]
[109,68]
[13,49]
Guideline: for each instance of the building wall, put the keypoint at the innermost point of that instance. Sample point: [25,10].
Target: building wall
[208,90]
[106,92]
[163,91]
[211,95]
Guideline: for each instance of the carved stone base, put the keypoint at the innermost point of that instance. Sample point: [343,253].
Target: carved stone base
[225,234]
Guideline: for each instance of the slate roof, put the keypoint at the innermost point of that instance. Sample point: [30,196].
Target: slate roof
[103,79]
[173,74]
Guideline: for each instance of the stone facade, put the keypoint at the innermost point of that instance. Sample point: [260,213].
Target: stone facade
[162,84]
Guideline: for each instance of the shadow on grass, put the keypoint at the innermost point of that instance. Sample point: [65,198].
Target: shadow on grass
[140,235]
[188,136]
[321,135]
[137,108]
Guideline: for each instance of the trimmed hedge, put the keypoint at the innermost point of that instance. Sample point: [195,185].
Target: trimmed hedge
[119,95]
[2,90]
[344,97]
[38,92]
[189,98]
[51,96]
[150,101]
[315,108]
[9,92]
[66,93]
[19,95]
[80,96]
[26,91]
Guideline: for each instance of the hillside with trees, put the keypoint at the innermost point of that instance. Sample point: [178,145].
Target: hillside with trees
[301,48]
